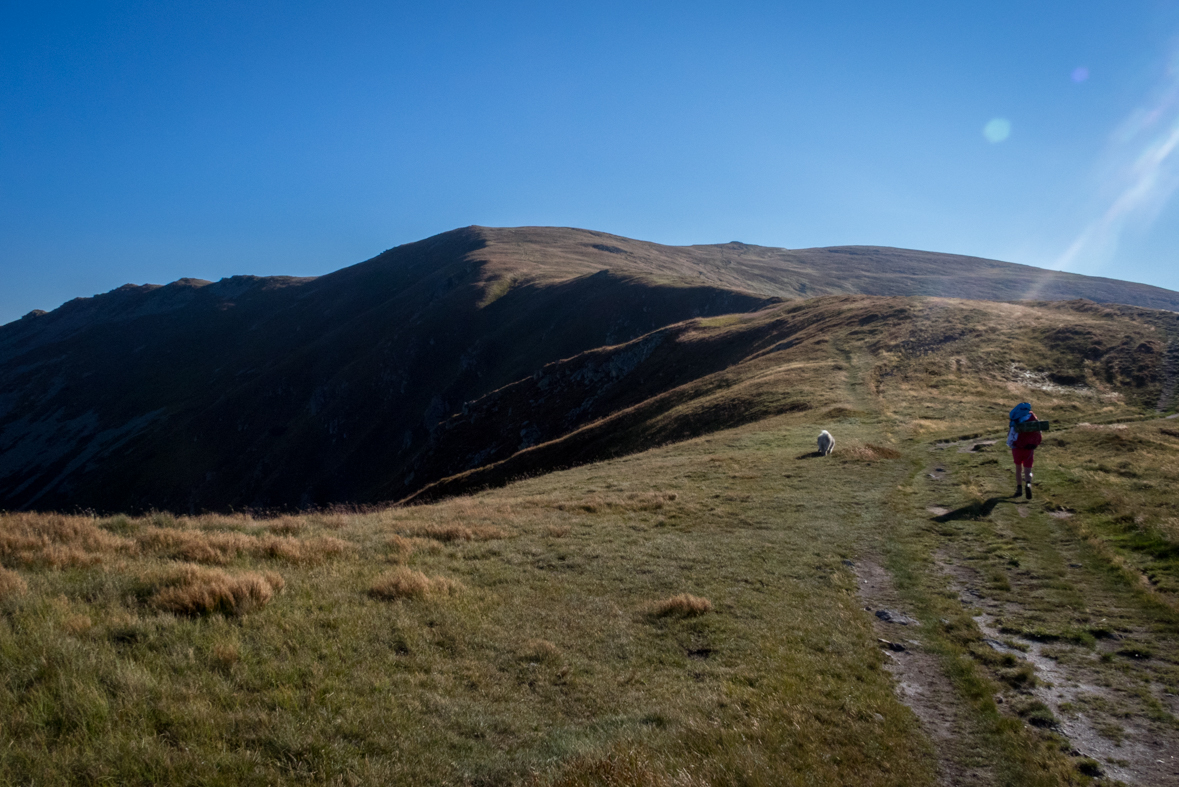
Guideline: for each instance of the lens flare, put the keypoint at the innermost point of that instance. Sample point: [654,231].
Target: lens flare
[1080,74]
[996,130]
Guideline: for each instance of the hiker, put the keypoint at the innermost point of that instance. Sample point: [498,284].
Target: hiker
[1023,447]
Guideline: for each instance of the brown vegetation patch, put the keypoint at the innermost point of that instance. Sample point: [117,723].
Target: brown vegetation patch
[55,541]
[399,547]
[685,605]
[302,551]
[77,624]
[224,656]
[407,583]
[868,452]
[285,525]
[195,546]
[11,584]
[557,531]
[540,651]
[194,590]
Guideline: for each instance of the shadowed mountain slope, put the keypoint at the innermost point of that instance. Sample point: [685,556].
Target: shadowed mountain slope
[510,350]
[706,375]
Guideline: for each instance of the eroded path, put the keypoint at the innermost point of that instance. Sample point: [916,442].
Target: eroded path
[1078,649]
[922,683]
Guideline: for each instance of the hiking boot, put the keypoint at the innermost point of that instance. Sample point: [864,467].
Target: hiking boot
[1018,490]
[1028,492]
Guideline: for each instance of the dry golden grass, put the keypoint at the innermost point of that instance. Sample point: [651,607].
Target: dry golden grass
[868,452]
[400,548]
[195,590]
[56,541]
[220,548]
[77,624]
[407,583]
[215,522]
[540,651]
[559,664]
[302,551]
[685,605]
[285,525]
[194,545]
[11,584]
[225,655]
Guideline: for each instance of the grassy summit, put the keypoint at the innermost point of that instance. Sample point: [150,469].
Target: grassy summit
[699,609]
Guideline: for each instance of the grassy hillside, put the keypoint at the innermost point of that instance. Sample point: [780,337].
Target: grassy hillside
[555,253]
[288,393]
[710,374]
[701,612]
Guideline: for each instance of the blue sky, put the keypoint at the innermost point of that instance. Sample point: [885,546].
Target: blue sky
[143,142]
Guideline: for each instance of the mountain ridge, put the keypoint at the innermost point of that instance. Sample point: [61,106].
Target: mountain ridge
[1042,284]
[284,392]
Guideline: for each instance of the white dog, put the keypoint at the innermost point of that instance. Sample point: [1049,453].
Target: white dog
[826,443]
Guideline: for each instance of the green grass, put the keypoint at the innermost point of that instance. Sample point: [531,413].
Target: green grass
[540,633]
[327,680]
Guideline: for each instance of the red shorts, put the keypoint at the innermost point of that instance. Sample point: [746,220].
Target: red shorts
[1024,457]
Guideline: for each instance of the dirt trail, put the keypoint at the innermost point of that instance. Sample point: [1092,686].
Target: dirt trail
[922,683]
[1026,578]
[1138,754]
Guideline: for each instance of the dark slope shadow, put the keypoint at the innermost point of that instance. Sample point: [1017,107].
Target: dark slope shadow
[811,455]
[980,510]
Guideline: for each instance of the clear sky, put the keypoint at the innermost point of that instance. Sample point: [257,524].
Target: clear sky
[146,141]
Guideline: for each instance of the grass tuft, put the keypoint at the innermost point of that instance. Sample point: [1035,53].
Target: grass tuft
[400,548]
[193,590]
[11,584]
[685,605]
[540,651]
[410,584]
[224,655]
[56,541]
[868,452]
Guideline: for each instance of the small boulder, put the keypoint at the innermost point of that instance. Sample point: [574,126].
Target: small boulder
[892,616]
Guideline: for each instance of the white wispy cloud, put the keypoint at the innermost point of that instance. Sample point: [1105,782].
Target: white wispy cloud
[1141,175]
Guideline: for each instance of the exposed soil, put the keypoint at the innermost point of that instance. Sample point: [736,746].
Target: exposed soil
[1134,750]
[922,683]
